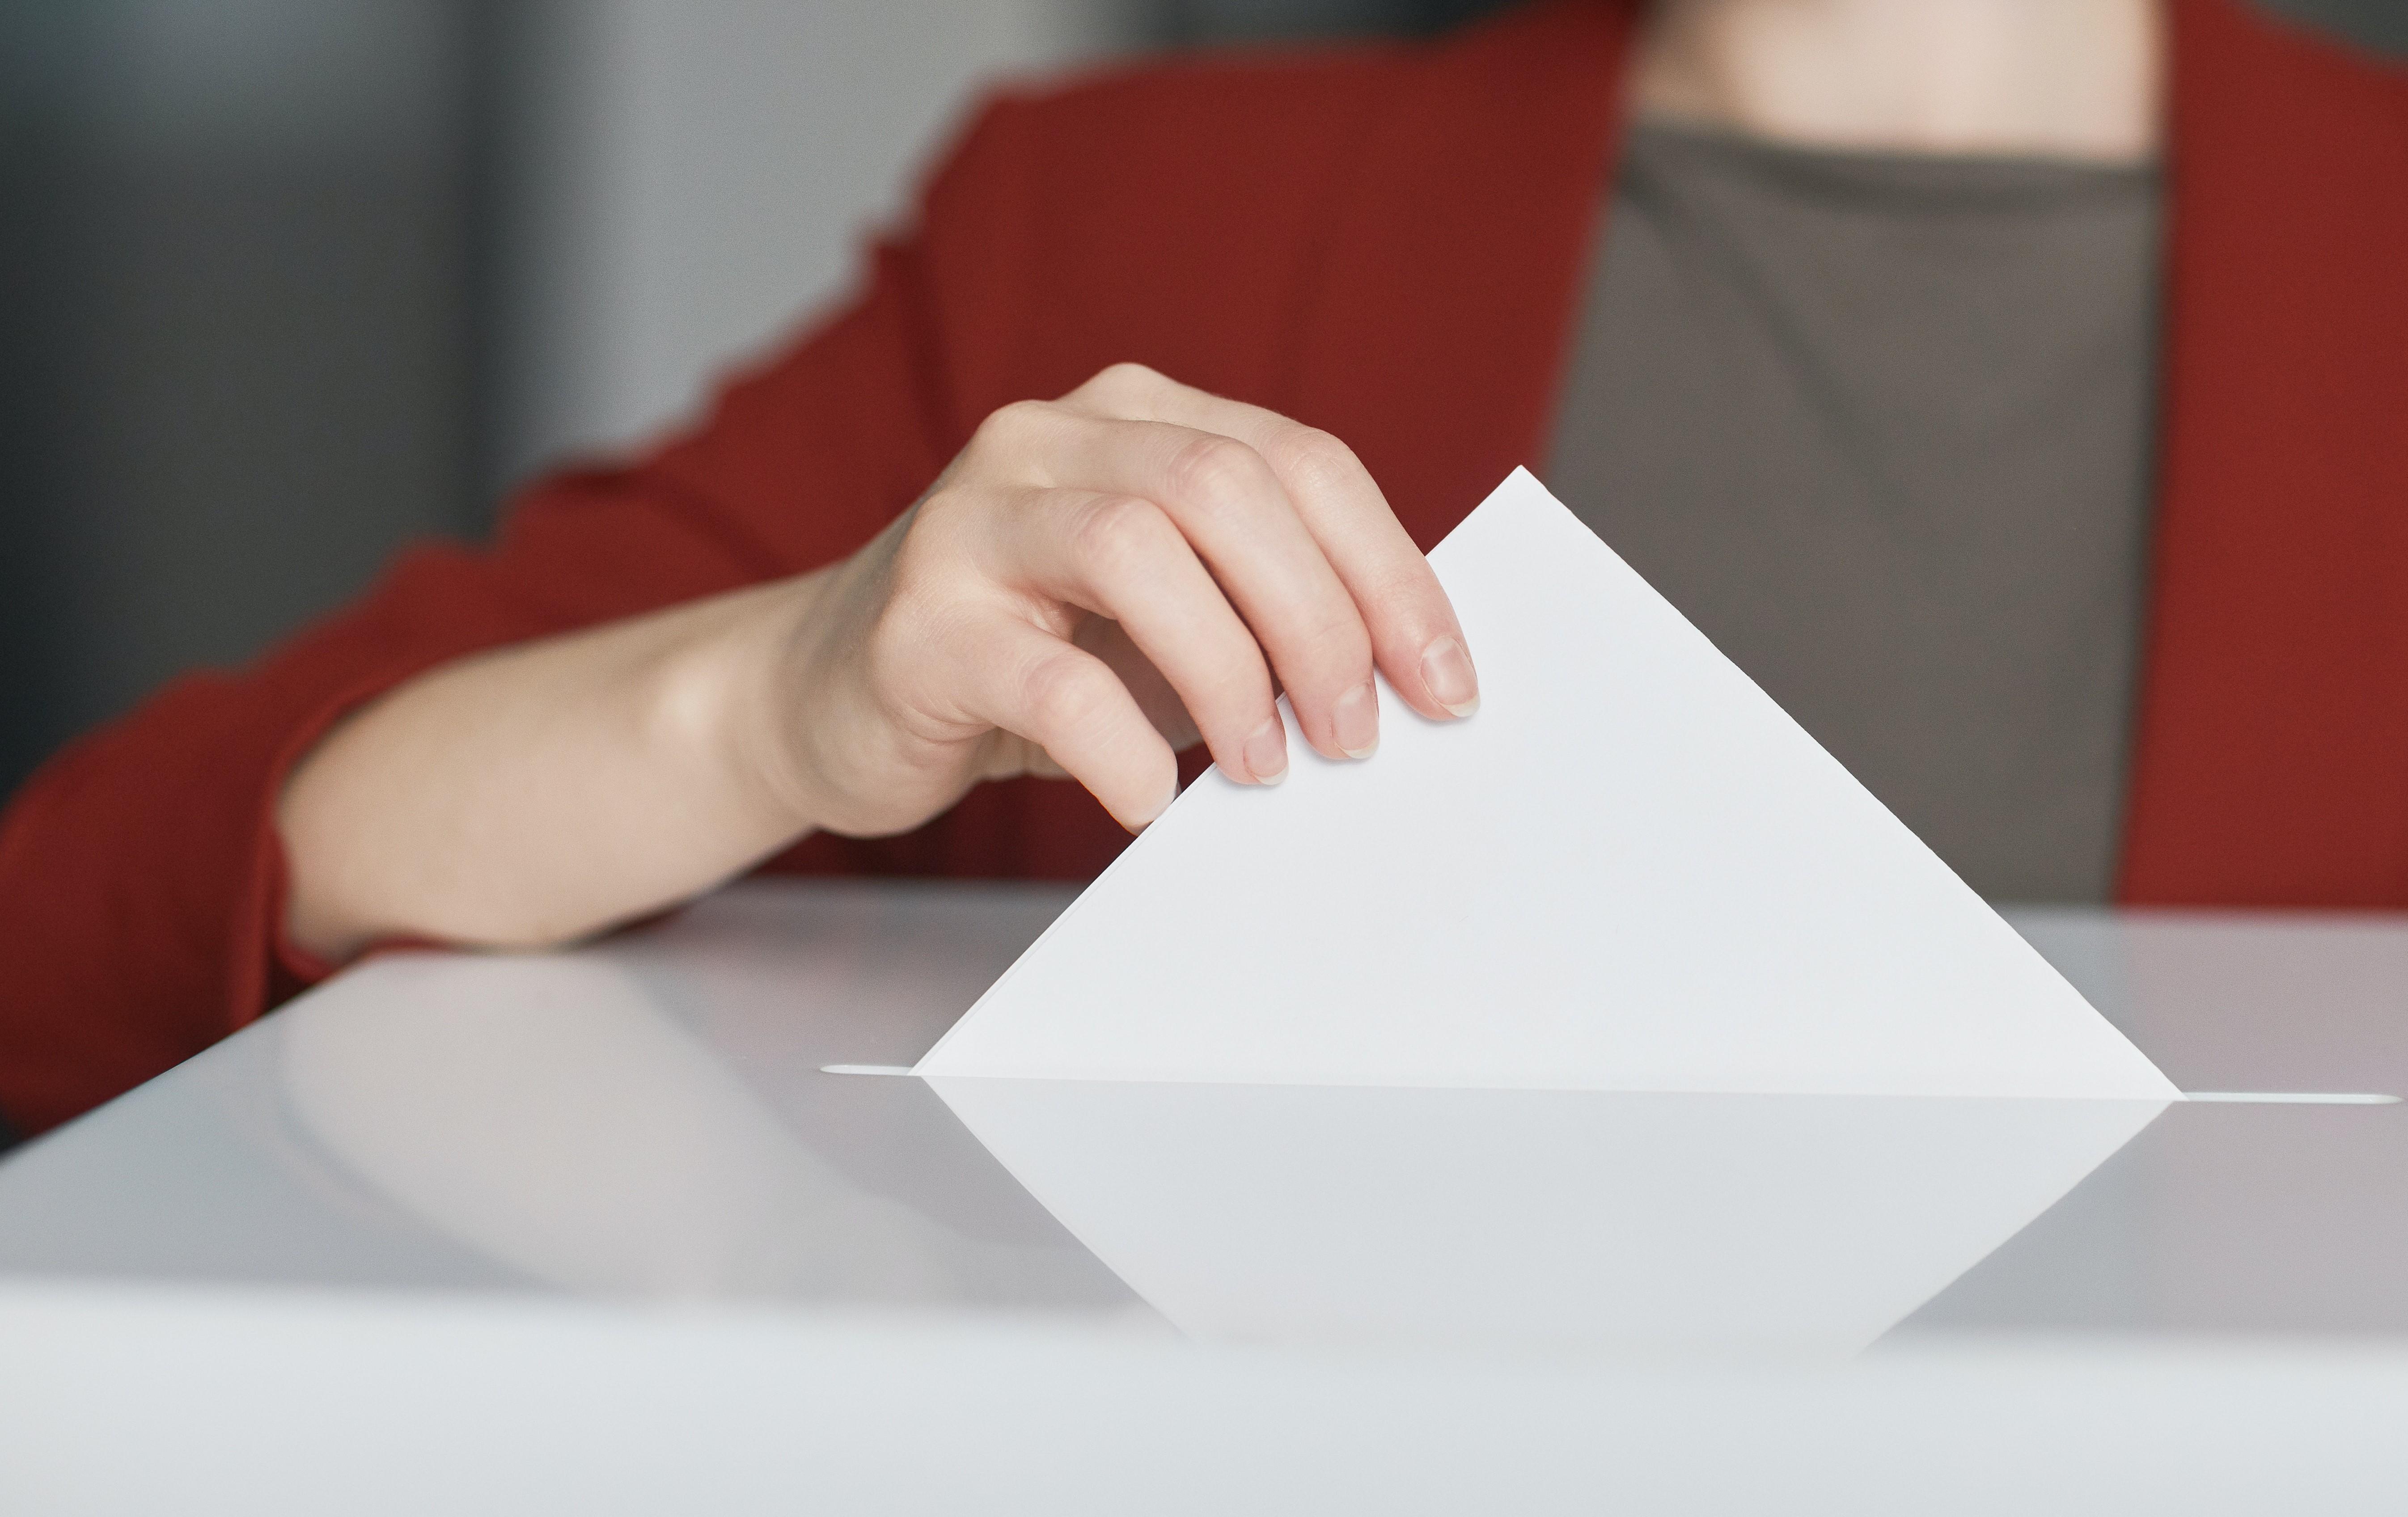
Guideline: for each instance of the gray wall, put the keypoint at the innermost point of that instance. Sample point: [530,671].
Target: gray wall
[235,315]
[2382,24]
[684,181]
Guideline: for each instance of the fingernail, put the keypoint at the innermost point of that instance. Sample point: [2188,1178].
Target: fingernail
[1266,752]
[1354,722]
[1169,794]
[1446,670]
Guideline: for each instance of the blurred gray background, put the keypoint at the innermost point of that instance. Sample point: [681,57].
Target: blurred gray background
[286,282]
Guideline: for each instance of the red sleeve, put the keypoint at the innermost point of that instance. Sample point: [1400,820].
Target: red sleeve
[141,875]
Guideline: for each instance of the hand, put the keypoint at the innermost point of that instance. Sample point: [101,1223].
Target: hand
[1094,582]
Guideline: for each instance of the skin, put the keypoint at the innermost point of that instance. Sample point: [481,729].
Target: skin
[1094,583]
[2063,79]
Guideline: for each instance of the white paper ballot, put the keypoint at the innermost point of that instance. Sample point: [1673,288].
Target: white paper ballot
[1630,870]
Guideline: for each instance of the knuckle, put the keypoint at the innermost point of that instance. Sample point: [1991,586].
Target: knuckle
[1216,475]
[1125,381]
[1335,647]
[1115,535]
[1011,428]
[1061,695]
[1314,459]
[1234,691]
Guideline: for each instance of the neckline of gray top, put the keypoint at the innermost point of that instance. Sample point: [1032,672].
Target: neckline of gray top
[1886,179]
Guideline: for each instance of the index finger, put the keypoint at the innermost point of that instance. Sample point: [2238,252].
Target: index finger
[1415,639]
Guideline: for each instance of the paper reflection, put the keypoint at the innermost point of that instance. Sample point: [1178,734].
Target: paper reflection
[547,1112]
[1369,1216]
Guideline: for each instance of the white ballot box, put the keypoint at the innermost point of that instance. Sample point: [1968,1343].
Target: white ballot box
[593,1231]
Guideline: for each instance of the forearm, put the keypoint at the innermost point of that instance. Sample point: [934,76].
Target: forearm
[541,792]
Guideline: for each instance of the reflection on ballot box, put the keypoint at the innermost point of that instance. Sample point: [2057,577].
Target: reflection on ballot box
[1359,1215]
[548,1113]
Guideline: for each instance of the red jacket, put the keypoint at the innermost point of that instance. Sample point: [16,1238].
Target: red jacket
[1387,242]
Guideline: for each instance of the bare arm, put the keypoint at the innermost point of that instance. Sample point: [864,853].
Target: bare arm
[1095,581]
[538,793]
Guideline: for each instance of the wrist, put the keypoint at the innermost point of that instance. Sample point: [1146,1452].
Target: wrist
[724,700]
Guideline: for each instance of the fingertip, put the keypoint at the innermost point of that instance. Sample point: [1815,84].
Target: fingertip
[1447,674]
[1266,752]
[1354,722]
[1134,826]
[1145,814]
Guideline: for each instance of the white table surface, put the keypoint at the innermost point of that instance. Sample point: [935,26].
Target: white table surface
[594,1232]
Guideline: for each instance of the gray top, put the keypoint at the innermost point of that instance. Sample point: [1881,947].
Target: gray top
[1881,426]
